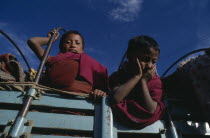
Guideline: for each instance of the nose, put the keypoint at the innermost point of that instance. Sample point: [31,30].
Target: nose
[149,65]
[72,45]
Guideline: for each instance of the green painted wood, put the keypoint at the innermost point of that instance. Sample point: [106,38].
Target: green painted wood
[51,100]
[63,121]
[59,101]
[52,120]
[11,97]
[51,136]
[7,115]
[153,128]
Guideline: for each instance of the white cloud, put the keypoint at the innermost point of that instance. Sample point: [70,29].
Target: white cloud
[93,51]
[203,35]
[204,41]
[126,10]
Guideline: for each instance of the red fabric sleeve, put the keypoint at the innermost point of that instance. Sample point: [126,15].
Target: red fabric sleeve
[155,88]
[94,72]
[132,114]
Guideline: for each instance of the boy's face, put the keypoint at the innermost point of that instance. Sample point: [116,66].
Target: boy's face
[72,43]
[146,58]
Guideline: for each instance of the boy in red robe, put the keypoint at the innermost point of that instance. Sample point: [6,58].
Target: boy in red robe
[72,69]
[136,88]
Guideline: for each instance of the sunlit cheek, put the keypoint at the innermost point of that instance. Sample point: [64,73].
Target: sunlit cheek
[81,50]
[142,65]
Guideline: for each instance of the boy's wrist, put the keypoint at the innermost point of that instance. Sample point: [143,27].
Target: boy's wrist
[143,80]
[137,77]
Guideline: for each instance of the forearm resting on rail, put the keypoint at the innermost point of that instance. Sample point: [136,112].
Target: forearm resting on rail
[120,92]
[150,104]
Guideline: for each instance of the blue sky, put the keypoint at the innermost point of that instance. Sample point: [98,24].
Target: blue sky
[178,26]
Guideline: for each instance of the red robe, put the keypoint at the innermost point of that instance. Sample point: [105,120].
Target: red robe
[131,111]
[77,72]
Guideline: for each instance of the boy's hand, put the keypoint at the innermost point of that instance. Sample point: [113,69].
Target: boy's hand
[140,72]
[54,31]
[97,94]
[148,75]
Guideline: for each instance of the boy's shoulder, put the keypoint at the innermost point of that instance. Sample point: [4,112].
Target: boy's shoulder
[156,78]
[155,81]
[90,60]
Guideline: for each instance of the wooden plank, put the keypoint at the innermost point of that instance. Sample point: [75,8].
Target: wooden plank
[7,115]
[11,97]
[51,100]
[59,101]
[62,121]
[152,129]
[51,136]
[52,120]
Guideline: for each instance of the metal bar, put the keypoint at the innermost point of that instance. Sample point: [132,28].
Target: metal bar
[16,46]
[172,129]
[107,119]
[27,102]
[46,53]
[195,51]
[18,127]
[25,107]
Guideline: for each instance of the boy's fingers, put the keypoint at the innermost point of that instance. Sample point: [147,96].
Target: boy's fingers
[102,94]
[137,60]
[98,94]
[154,70]
[54,31]
[139,64]
[93,94]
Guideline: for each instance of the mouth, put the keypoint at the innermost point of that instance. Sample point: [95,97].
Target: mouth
[72,50]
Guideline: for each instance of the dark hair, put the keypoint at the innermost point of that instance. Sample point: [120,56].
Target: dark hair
[141,43]
[71,32]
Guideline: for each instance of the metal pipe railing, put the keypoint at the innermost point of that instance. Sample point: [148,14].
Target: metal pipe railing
[195,51]
[14,131]
[16,46]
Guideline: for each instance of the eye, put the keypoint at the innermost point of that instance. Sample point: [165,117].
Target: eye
[67,42]
[154,61]
[145,59]
[77,42]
